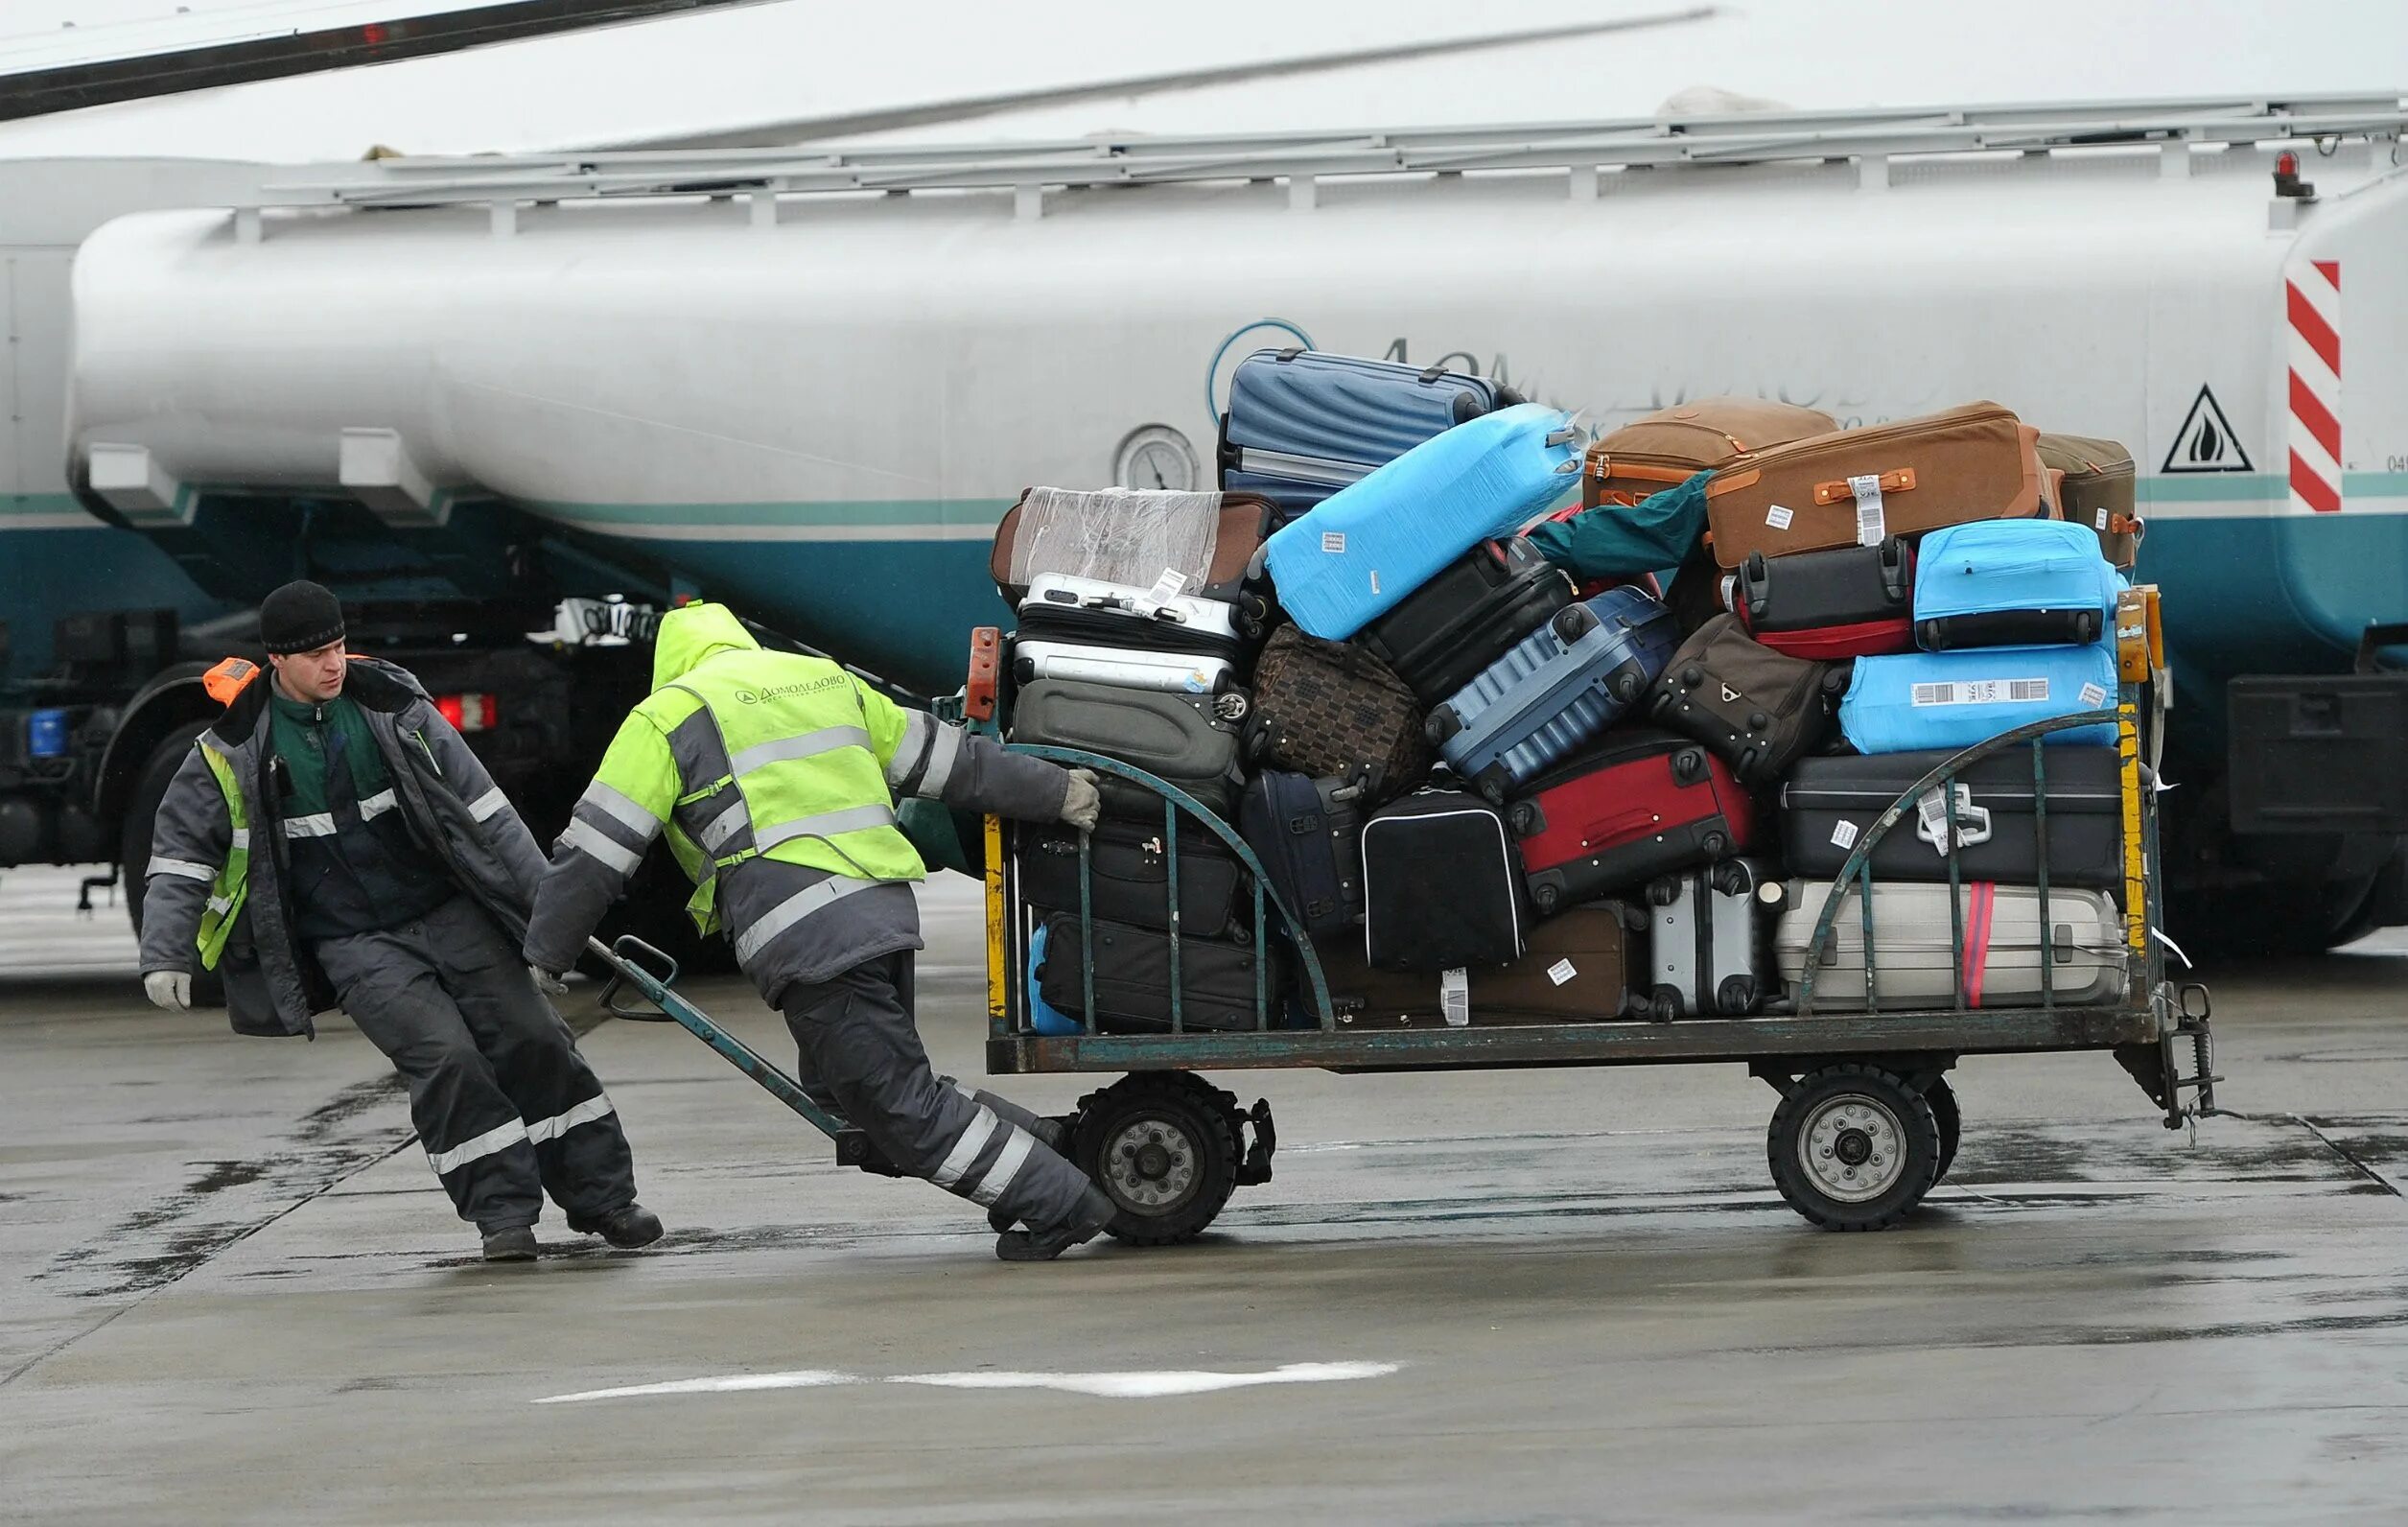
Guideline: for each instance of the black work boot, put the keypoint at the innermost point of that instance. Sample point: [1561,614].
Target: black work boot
[515,1243]
[1055,1134]
[1086,1222]
[629,1226]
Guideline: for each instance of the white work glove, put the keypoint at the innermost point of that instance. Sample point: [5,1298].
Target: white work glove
[168,991]
[1082,803]
[548,983]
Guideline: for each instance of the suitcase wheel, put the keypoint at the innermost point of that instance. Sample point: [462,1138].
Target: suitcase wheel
[1689,767]
[1666,1006]
[1627,683]
[1735,995]
[1545,897]
[1663,892]
[1443,724]
[1932,637]
[1837,677]
[2088,629]
[1731,877]
[1525,818]
[1576,622]
[1757,720]
[1491,784]
[1691,676]
[1716,845]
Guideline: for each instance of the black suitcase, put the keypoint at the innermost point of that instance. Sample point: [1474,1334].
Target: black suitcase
[1441,885]
[1189,740]
[1439,637]
[1308,833]
[1217,980]
[1128,876]
[1827,804]
[1757,710]
[1848,601]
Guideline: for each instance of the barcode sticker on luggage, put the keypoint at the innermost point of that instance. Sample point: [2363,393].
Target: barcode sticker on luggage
[1871,526]
[1561,972]
[2092,696]
[1779,516]
[1843,836]
[2102,521]
[1982,692]
[1334,542]
[1454,997]
[1169,586]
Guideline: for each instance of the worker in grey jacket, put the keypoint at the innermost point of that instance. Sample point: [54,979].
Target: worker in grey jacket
[774,777]
[332,840]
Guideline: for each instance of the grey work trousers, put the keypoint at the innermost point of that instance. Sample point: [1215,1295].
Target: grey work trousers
[504,1105]
[860,1053]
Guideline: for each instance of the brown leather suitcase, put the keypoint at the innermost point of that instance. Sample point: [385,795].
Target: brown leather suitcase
[2099,490]
[1576,971]
[1852,488]
[1099,539]
[1671,445]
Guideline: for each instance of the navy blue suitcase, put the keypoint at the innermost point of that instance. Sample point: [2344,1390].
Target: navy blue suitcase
[1308,833]
[1302,425]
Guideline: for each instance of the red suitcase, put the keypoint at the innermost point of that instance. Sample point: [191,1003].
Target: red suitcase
[1638,804]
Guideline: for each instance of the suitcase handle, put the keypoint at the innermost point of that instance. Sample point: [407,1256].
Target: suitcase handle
[1897,480]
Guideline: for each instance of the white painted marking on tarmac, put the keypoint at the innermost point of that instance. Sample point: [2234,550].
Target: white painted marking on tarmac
[1140,1385]
[1153,1385]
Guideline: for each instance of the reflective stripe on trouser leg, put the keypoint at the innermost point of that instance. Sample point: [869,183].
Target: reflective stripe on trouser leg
[859,1038]
[1010,1112]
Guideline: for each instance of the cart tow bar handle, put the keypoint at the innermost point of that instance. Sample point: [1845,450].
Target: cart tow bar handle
[853,1148]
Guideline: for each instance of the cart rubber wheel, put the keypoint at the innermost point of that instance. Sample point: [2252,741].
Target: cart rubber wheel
[1943,1112]
[1853,1147]
[1162,1147]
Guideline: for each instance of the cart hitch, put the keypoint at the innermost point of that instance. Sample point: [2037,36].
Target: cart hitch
[1256,1166]
[650,973]
[2159,1066]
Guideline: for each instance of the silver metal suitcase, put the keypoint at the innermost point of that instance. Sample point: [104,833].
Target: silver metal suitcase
[1916,963]
[1706,945]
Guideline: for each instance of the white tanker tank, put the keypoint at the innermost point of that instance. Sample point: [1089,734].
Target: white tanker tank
[811,383]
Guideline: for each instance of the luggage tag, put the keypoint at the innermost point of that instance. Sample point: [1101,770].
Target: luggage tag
[1972,823]
[1454,997]
[1872,526]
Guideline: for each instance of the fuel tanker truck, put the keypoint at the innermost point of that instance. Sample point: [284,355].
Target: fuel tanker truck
[506,404]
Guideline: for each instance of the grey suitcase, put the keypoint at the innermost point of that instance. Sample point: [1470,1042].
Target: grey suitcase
[1189,740]
[1915,967]
[1707,947]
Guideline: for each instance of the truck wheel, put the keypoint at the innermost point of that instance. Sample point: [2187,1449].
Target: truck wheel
[1944,1113]
[133,842]
[1161,1146]
[1853,1147]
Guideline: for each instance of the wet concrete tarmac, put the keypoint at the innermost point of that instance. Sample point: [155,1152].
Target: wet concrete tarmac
[231,1292]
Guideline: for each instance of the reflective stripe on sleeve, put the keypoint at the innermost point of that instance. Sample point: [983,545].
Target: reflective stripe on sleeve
[794,908]
[377,805]
[318,824]
[786,749]
[597,1106]
[944,751]
[911,748]
[587,838]
[1007,1167]
[722,826]
[484,806]
[620,807]
[221,904]
[184,868]
[826,823]
[974,1136]
[498,1138]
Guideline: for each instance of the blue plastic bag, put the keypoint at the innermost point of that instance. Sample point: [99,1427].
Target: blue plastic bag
[1043,1016]
[1910,700]
[1357,553]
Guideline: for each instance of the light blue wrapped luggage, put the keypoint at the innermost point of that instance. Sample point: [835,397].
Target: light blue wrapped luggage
[1909,700]
[1372,543]
[2013,583]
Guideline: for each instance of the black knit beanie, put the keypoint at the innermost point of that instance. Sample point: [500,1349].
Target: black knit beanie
[299,618]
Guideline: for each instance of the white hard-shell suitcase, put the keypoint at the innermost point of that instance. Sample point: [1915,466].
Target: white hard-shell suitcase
[1915,967]
[1141,639]
[1706,944]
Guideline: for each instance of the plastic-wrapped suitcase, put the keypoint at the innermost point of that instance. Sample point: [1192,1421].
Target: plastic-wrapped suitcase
[1441,885]
[1827,804]
[1579,968]
[1755,709]
[1916,700]
[1706,946]
[1662,449]
[1636,805]
[1916,962]
[1351,557]
[1308,833]
[1108,633]
[2013,583]
[1466,618]
[1128,876]
[2098,490]
[1302,425]
[1217,980]
[1190,741]
[1130,536]
[1332,709]
[1975,463]
[1556,689]
[1849,601]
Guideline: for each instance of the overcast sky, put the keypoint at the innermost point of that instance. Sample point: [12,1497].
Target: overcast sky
[800,58]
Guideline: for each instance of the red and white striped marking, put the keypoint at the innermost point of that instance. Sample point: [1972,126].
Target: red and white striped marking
[2314,299]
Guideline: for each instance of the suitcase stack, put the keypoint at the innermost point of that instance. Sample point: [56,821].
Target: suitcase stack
[1484,799]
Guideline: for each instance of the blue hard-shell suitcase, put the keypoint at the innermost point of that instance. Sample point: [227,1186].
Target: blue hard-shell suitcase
[1909,700]
[1302,425]
[1356,554]
[1558,687]
[2013,583]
